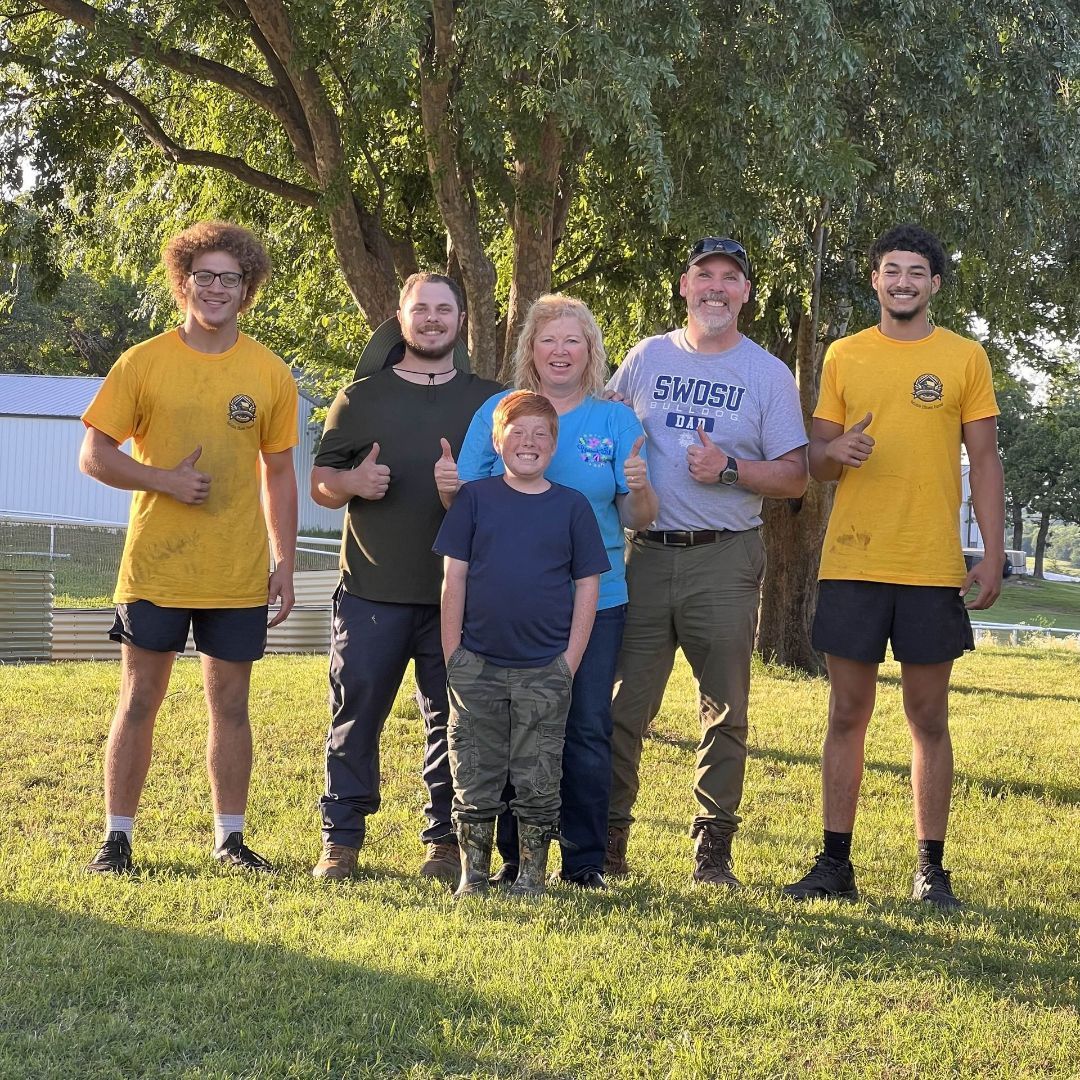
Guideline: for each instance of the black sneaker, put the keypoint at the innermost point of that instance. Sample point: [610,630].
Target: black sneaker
[234,852]
[113,857]
[827,879]
[585,879]
[932,886]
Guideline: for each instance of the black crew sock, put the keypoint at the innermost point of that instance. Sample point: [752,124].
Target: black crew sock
[931,853]
[838,845]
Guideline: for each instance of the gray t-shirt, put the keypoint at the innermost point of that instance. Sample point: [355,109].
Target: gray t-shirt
[745,400]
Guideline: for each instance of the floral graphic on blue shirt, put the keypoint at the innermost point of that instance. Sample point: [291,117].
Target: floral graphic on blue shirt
[596,450]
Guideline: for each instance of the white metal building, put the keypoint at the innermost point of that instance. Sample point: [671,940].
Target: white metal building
[40,436]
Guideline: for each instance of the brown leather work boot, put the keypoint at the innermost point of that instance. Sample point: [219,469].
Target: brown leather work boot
[615,864]
[443,862]
[712,856]
[338,862]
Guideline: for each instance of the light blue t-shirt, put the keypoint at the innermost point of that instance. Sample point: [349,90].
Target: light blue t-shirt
[594,441]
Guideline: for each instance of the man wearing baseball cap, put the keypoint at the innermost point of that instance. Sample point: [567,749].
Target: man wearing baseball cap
[725,428]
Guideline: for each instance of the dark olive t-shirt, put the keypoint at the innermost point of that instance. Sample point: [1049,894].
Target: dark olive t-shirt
[386,547]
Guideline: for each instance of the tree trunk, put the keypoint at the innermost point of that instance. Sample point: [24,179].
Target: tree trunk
[794,530]
[536,175]
[1017,525]
[438,62]
[1040,544]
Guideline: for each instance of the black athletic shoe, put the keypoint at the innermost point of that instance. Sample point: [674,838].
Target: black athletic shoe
[113,857]
[828,878]
[587,879]
[234,852]
[932,886]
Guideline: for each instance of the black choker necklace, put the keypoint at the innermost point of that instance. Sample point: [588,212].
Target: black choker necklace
[430,374]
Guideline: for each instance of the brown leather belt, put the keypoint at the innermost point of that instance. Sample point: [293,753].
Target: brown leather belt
[682,538]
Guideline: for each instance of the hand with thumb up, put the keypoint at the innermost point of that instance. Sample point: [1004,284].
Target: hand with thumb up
[447,482]
[854,446]
[369,480]
[185,483]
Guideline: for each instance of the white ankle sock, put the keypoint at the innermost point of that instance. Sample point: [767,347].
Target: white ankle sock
[225,825]
[117,823]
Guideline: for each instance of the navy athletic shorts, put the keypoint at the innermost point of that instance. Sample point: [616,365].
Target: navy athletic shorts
[927,624]
[237,634]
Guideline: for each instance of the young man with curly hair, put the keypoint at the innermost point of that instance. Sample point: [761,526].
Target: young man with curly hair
[896,402]
[208,411]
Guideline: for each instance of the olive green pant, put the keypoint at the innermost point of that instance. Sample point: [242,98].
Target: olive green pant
[704,600]
[506,724]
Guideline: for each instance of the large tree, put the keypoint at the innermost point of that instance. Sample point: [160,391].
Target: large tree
[528,144]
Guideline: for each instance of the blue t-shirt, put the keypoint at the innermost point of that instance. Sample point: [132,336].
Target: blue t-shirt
[594,441]
[524,554]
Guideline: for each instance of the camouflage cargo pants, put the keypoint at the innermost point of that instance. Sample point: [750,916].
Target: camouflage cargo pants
[506,723]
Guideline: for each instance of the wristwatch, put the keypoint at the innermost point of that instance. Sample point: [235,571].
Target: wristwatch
[730,473]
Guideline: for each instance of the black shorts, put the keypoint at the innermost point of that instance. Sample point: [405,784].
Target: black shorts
[927,624]
[237,634]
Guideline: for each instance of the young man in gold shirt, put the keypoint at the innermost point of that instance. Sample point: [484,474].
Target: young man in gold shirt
[208,410]
[896,402]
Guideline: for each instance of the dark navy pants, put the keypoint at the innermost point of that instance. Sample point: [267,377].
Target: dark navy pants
[371,645]
[586,773]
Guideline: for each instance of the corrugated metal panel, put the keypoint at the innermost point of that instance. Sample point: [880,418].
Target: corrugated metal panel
[315,587]
[82,633]
[46,395]
[26,614]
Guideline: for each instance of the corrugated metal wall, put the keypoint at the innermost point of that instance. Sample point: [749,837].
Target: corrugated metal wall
[41,474]
[26,615]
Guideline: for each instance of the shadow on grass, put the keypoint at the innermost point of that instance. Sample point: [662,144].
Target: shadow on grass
[984,691]
[866,941]
[90,997]
[1051,794]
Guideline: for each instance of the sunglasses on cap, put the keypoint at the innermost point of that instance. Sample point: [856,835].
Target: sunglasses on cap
[719,245]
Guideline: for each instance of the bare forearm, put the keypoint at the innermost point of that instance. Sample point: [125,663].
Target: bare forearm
[586,593]
[281,517]
[452,616]
[822,468]
[104,461]
[780,479]
[328,487]
[988,501]
[637,509]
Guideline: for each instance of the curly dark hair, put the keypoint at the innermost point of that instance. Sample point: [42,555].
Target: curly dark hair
[911,238]
[242,244]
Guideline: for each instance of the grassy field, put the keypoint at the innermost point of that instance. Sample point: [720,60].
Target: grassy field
[186,971]
[1039,603]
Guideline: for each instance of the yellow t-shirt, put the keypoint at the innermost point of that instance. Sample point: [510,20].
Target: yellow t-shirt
[897,518]
[169,398]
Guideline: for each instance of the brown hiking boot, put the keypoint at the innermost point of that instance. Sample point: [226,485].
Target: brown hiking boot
[443,862]
[338,862]
[615,864]
[712,856]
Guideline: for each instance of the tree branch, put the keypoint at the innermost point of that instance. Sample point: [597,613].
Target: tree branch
[144,47]
[183,155]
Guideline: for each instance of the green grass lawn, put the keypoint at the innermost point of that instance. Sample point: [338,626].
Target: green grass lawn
[1040,603]
[187,971]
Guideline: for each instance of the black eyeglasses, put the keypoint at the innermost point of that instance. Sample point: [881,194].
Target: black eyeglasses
[720,245]
[229,278]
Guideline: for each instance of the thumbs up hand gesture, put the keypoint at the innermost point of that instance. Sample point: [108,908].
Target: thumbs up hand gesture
[185,483]
[706,461]
[446,473]
[634,467]
[369,479]
[854,446]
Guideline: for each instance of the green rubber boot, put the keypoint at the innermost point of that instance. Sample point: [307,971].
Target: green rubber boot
[475,838]
[533,841]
